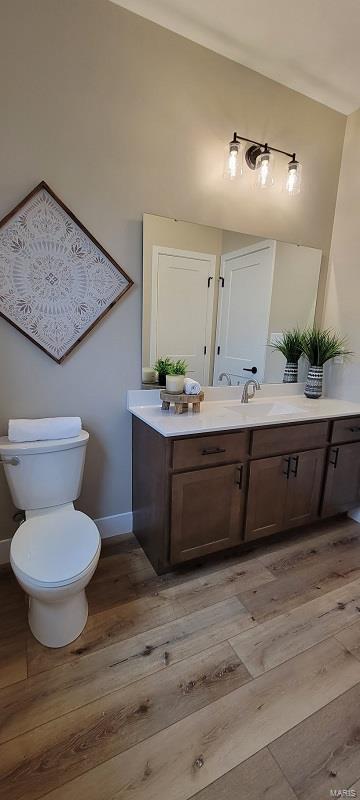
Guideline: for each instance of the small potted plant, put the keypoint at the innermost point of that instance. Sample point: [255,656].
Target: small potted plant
[319,347]
[162,367]
[290,344]
[175,376]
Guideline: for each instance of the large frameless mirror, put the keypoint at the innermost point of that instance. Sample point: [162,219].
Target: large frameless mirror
[218,299]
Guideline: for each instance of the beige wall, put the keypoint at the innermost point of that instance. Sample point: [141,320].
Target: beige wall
[235,241]
[343,289]
[121,117]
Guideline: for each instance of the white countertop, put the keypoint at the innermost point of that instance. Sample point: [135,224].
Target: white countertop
[222,410]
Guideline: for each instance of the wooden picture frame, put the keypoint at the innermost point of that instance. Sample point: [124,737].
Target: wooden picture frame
[74,260]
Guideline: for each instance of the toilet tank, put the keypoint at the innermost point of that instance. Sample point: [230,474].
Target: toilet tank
[44,474]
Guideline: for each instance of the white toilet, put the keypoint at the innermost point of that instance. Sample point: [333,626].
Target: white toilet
[54,553]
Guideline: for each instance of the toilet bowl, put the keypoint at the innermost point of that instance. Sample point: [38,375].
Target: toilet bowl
[54,553]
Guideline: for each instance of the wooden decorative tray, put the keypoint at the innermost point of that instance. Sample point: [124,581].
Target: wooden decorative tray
[182,401]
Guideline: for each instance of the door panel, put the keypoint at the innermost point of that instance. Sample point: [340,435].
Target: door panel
[182,307]
[266,496]
[304,488]
[342,485]
[244,310]
[206,511]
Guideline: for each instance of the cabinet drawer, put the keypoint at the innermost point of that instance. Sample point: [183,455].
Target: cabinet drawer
[204,451]
[346,430]
[288,438]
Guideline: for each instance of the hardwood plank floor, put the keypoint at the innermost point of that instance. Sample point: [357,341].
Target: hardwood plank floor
[191,753]
[258,778]
[323,753]
[230,679]
[280,638]
[43,698]
[305,574]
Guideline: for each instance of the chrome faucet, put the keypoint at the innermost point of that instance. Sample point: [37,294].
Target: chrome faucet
[256,387]
[225,375]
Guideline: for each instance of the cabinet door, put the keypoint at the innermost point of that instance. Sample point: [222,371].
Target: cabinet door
[266,496]
[304,488]
[342,485]
[206,511]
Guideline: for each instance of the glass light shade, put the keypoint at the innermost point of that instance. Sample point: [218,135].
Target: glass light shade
[233,161]
[293,181]
[264,170]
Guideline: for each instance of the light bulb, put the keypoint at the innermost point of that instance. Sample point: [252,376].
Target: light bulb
[264,166]
[293,182]
[233,161]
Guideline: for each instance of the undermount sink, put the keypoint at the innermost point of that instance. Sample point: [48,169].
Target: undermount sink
[276,408]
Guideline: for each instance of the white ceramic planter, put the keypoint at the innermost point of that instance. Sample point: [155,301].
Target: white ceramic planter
[175,383]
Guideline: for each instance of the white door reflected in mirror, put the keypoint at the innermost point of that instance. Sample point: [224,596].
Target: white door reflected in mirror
[244,311]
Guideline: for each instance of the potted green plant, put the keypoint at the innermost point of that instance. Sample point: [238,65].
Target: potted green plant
[319,346]
[162,366]
[175,376]
[290,344]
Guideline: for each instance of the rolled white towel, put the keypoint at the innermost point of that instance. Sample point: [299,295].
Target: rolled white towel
[34,430]
[191,387]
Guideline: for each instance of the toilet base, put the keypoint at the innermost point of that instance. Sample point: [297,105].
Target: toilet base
[57,624]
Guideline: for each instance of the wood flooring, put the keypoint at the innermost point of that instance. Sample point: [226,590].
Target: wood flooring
[236,679]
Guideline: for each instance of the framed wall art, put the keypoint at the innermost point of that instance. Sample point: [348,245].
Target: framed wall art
[56,281]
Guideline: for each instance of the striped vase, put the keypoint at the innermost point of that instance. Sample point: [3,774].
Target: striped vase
[291,372]
[314,383]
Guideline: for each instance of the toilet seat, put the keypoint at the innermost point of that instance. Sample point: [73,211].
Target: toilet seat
[56,548]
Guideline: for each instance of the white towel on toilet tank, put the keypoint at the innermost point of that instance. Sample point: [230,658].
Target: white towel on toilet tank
[34,430]
[191,387]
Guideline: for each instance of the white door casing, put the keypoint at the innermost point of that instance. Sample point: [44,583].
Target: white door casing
[244,311]
[182,300]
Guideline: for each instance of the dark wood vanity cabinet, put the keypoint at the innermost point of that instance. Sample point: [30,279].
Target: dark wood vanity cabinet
[207,508]
[195,495]
[342,481]
[284,492]
[266,497]
[304,488]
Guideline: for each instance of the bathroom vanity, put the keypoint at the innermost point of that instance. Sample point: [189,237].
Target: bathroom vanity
[236,473]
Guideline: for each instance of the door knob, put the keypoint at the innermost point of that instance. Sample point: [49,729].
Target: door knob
[250,369]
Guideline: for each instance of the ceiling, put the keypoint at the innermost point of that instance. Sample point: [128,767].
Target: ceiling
[311,46]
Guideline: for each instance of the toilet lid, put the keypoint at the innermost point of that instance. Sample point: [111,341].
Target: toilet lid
[55,548]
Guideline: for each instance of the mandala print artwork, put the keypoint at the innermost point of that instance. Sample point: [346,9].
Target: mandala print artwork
[56,280]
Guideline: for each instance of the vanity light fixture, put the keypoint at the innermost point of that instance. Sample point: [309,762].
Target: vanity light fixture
[260,157]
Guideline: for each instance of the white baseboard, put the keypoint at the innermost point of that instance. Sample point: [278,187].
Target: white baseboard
[114,525]
[108,526]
